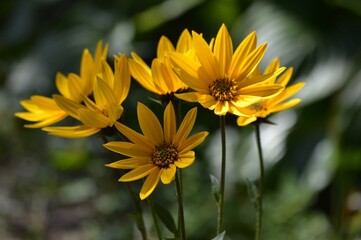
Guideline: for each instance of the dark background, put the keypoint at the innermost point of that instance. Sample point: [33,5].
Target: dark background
[53,188]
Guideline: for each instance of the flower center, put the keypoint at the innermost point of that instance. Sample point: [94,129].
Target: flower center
[223,89]
[164,155]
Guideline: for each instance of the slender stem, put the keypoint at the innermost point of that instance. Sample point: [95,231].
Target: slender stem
[154,216]
[136,202]
[260,186]
[180,206]
[223,174]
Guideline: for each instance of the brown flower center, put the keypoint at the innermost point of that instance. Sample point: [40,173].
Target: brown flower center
[164,155]
[223,89]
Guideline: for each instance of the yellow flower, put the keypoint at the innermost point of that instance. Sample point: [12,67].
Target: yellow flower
[110,90]
[276,103]
[44,111]
[222,80]
[159,151]
[160,78]
[41,110]
[75,86]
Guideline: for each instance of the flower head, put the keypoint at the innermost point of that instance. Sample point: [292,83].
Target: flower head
[110,90]
[273,104]
[159,150]
[44,111]
[160,78]
[223,80]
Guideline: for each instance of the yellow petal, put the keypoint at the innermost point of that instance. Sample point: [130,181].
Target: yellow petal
[150,183]
[93,119]
[121,78]
[62,85]
[103,94]
[192,142]
[71,132]
[107,74]
[43,123]
[265,79]
[68,105]
[184,42]
[273,66]
[205,56]
[246,46]
[187,70]
[251,62]
[185,127]
[150,125]
[286,105]
[167,174]
[162,81]
[189,97]
[129,163]
[185,159]
[76,87]
[142,73]
[244,121]
[285,77]
[262,90]
[114,112]
[128,149]
[221,108]
[135,137]
[223,49]
[138,173]
[286,93]
[170,125]
[245,100]
[164,47]
[207,101]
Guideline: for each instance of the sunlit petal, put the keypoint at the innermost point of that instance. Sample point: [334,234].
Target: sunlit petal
[150,125]
[138,173]
[192,142]
[185,127]
[128,149]
[169,123]
[167,175]
[223,49]
[129,163]
[185,159]
[150,183]
[71,132]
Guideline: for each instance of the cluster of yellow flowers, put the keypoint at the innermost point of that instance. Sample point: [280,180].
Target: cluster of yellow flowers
[212,73]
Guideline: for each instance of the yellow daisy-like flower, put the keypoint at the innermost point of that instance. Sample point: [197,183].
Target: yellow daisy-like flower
[44,111]
[160,78]
[222,80]
[159,151]
[110,90]
[276,103]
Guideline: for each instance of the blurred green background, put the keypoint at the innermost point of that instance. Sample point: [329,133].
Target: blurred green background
[53,188]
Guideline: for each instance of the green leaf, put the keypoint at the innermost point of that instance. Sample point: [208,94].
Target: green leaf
[220,236]
[215,187]
[165,217]
[252,192]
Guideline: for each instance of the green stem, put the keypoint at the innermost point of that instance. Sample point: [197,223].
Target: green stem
[223,174]
[136,202]
[180,206]
[154,216]
[260,186]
